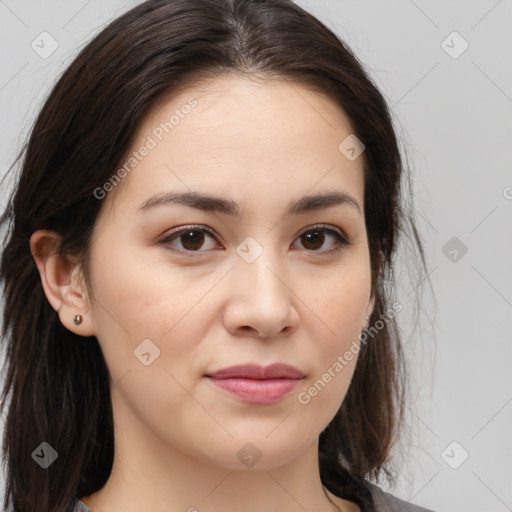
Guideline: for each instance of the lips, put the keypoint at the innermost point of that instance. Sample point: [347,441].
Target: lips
[255,371]
[257,384]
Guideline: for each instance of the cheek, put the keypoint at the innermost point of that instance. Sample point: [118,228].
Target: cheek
[340,302]
[335,357]
[150,324]
[340,305]
[142,297]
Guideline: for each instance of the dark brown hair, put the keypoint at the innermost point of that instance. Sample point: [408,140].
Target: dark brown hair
[57,381]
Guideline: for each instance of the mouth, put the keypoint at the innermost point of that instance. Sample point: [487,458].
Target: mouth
[257,384]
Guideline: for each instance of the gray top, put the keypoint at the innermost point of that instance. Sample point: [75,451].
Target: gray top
[384,502]
[81,507]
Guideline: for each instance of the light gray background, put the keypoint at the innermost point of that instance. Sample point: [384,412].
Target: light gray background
[454,116]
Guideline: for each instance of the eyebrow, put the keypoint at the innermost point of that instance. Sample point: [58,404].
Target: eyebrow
[210,203]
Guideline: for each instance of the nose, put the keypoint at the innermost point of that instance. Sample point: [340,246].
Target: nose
[261,301]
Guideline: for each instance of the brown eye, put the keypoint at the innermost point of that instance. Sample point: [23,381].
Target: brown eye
[191,239]
[314,238]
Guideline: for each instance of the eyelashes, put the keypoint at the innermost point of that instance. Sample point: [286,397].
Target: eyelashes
[315,234]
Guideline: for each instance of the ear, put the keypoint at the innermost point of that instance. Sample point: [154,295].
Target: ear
[62,281]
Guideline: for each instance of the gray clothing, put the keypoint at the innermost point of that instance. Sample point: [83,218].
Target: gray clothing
[384,502]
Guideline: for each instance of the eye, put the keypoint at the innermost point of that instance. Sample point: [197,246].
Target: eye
[315,237]
[192,238]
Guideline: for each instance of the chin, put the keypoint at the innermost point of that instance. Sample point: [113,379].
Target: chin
[251,453]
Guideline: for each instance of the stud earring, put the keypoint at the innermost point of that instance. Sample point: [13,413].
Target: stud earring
[77,320]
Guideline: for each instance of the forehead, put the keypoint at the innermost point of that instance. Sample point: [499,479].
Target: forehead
[235,134]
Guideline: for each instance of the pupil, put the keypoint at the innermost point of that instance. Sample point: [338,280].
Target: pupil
[313,236]
[196,237]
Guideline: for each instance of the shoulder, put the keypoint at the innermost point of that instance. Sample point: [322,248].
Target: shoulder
[386,502]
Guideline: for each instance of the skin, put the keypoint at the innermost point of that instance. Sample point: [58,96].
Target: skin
[261,145]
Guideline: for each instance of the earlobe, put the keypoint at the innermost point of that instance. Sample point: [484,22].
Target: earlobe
[61,282]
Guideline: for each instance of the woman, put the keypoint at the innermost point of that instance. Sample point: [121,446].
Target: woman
[196,276]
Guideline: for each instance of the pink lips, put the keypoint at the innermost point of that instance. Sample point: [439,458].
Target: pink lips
[258,384]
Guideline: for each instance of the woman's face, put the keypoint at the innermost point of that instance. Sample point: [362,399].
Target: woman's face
[180,291]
